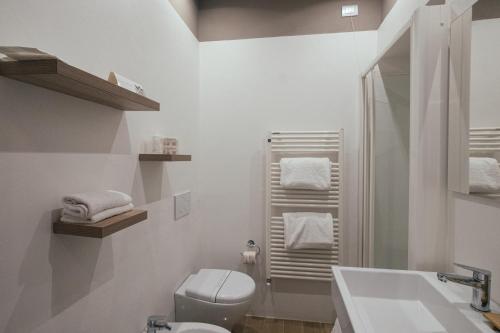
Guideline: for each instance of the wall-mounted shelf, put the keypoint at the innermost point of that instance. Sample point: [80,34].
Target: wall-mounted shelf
[56,75]
[164,158]
[103,228]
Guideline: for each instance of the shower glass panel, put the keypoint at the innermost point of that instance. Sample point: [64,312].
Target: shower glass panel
[390,129]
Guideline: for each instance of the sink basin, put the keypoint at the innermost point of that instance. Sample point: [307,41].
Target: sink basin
[386,301]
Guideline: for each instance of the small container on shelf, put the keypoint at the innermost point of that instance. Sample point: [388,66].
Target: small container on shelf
[162,149]
[170,146]
[157,145]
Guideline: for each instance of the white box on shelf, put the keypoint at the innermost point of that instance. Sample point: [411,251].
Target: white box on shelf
[170,146]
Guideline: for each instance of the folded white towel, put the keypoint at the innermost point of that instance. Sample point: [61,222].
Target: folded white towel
[305,173]
[308,230]
[484,175]
[97,217]
[86,205]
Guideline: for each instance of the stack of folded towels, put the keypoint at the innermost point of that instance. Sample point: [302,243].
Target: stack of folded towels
[92,207]
[307,230]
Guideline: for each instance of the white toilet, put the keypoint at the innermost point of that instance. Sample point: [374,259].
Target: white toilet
[214,296]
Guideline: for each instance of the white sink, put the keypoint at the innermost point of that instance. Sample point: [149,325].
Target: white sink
[392,301]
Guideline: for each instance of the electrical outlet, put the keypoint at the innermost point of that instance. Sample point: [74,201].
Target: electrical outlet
[182,203]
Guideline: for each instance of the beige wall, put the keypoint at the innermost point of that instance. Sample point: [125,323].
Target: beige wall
[188,11]
[239,19]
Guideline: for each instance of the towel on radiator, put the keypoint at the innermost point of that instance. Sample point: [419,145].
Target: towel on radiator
[308,230]
[88,204]
[305,173]
[484,175]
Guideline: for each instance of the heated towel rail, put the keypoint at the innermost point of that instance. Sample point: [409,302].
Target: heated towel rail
[302,264]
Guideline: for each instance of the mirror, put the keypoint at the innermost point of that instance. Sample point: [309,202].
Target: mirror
[474,101]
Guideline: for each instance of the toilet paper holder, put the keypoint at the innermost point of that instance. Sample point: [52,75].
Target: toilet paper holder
[251,245]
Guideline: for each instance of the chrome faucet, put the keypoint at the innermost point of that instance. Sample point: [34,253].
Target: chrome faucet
[156,323]
[480,283]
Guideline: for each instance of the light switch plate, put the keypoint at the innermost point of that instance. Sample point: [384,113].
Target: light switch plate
[350,10]
[182,203]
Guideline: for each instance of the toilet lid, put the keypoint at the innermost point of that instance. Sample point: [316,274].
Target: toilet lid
[206,284]
[220,286]
[237,288]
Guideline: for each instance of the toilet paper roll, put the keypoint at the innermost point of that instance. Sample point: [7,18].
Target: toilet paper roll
[249,257]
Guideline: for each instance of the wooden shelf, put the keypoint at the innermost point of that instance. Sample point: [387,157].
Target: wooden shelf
[56,75]
[103,228]
[164,158]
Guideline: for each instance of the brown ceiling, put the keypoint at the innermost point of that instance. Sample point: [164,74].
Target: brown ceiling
[238,19]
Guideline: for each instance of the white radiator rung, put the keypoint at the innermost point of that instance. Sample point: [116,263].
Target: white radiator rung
[277,170]
[303,206]
[275,176]
[334,181]
[289,145]
[329,194]
[311,141]
[304,132]
[486,139]
[304,272]
[304,201]
[305,252]
[299,151]
[486,144]
[284,259]
[301,268]
[308,196]
[284,276]
[277,164]
[305,192]
[480,129]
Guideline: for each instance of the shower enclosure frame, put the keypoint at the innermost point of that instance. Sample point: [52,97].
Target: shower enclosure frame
[428,227]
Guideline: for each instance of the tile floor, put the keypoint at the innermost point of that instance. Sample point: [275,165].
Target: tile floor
[268,325]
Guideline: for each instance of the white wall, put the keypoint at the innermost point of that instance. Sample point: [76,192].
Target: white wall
[251,87]
[52,144]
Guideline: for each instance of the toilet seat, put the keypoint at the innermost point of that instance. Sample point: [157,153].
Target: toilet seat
[220,286]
